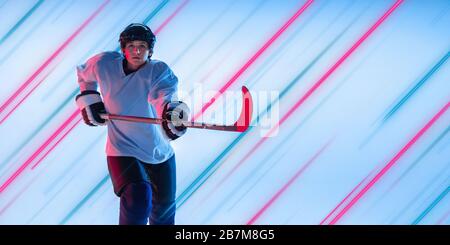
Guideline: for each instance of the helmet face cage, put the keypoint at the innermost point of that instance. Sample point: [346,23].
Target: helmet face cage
[138,32]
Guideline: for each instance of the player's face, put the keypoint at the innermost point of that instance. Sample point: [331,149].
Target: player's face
[136,53]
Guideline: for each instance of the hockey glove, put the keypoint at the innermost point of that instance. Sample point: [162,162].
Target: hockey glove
[91,106]
[175,113]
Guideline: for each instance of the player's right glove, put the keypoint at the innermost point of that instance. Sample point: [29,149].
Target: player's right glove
[91,106]
[175,113]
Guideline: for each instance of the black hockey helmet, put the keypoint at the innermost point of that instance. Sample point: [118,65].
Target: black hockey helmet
[137,31]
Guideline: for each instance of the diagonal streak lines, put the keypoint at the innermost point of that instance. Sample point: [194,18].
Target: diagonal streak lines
[322,80]
[389,165]
[19,94]
[253,58]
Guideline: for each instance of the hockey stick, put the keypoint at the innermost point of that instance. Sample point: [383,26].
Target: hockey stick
[240,125]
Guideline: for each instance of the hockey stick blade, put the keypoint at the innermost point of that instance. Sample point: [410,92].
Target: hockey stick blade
[241,125]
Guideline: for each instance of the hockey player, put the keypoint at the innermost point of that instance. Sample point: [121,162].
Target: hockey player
[141,162]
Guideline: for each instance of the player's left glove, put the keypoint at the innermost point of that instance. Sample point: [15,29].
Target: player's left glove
[175,113]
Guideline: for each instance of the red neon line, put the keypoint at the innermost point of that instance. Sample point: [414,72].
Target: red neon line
[171,17]
[318,83]
[56,143]
[50,59]
[42,148]
[286,186]
[253,58]
[390,164]
[345,199]
[338,63]
[23,99]
[17,195]
[36,153]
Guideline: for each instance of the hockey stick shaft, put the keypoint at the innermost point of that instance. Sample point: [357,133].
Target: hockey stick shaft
[240,125]
[160,120]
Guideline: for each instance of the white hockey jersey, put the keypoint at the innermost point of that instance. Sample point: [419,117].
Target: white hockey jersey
[142,93]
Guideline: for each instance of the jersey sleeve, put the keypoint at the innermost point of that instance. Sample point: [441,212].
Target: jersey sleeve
[164,88]
[87,79]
